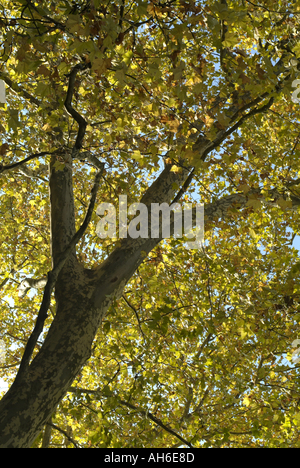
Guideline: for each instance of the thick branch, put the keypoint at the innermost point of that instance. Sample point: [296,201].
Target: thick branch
[52,277]
[29,283]
[87,155]
[118,268]
[203,146]
[220,208]
[62,206]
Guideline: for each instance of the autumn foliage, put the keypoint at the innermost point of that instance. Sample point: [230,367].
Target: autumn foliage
[198,350]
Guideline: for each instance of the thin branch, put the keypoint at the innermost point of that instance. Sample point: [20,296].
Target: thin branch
[63,432]
[100,123]
[68,104]
[228,132]
[143,412]
[136,314]
[9,366]
[19,90]
[273,11]
[185,186]
[157,421]
[12,271]
[42,15]
[4,169]
[52,277]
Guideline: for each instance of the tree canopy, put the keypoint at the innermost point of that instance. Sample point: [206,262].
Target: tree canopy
[141,342]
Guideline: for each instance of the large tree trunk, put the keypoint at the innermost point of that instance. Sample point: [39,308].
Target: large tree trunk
[82,298]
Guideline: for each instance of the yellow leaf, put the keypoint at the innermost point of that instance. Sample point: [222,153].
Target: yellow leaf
[230,40]
[99,65]
[174,124]
[189,154]
[284,204]
[246,401]
[245,188]
[137,155]
[208,121]
[254,203]
[119,123]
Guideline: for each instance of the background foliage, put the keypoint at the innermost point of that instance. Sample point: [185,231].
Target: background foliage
[199,349]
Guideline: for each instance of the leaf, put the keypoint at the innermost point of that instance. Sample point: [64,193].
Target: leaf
[254,203]
[230,40]
[137,155]
[13,121]
[4,149]
[253,234]
[43,70]
[106,327]
[100,65]
[246,401]
[284,204]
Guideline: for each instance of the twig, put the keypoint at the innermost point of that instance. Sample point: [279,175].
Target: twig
[272,11]
[136,314]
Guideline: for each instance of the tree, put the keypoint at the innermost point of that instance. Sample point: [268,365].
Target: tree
[144,343]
